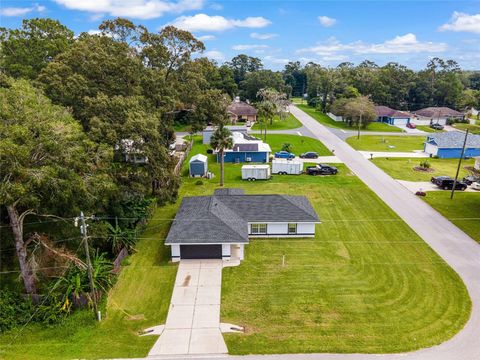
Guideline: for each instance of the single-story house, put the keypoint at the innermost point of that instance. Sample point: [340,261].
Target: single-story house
[209,130]
[241,111]
[390,116]
[198,165]
[246,148]
[436,115]
[477,163]
[219,226]
[130,151]
[448,145]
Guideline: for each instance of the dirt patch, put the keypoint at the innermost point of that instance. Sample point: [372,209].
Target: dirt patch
[136,317]
[422,169]
[472,170]
[186,282]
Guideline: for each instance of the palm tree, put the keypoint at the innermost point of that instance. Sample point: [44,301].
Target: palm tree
[221,140]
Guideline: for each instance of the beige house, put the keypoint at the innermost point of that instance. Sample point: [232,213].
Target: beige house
[241,111]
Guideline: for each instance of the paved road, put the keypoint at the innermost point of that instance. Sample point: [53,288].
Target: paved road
[460,251]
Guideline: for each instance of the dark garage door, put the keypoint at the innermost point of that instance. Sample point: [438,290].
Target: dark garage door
[201,251]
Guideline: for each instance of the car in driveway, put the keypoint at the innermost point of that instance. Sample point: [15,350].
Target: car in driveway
[436,126]
[284,155]
[446,183]
[309,155]
[411,125]
[321,169]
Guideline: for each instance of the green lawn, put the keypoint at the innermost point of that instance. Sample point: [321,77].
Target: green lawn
[463,210]
[402,168]
[327,121]
[140,299]
[427,128]
[382,143]
[299,144]
[365,283]
[474,129]
[290,122]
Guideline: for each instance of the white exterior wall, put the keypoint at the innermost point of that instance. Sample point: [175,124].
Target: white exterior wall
[226,251]
[426,121]
[280,229]
[477,163]
[431,149]
[175,252]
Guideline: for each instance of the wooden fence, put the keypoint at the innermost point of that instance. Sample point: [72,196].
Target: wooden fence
[182,159]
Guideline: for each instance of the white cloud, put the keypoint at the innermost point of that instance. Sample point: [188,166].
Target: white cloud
[203,22]
[21,11]
[327,21]
[216,6]
[249,47]
[462,22]
[265,36]
[275,60]
[206,37]
[139,9]
[215,55]
[404,44]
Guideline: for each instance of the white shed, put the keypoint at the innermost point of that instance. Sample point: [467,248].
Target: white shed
[256,172]
[198,165]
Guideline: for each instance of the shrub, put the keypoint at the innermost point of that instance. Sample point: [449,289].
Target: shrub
[425,164]
[199,182]
[287,147]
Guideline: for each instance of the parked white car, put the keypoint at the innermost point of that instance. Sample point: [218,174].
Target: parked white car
[476,186]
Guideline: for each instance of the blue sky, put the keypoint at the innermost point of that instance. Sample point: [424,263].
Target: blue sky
[326,32]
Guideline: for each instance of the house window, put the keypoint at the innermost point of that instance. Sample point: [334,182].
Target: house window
[292,228]
[258,229]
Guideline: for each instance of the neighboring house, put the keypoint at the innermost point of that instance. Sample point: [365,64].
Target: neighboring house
[198,166]
[391,116]
[241,111]
[436,115]
[449,145]
[477,163]
[209,130]
[219,226]
[129,152]
[246,148]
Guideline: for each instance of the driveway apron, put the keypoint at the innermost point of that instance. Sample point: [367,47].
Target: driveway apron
[193,321]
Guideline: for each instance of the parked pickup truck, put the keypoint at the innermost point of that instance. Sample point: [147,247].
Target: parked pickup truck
[321,169]
[446,183]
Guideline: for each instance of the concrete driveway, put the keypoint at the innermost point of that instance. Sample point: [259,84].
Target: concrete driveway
[460,251]
[193,321]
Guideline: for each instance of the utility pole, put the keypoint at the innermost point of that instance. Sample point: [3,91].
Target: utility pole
[459,164]
[359,124]
[83,231]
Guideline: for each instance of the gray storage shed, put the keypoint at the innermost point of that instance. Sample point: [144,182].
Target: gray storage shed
[198,165]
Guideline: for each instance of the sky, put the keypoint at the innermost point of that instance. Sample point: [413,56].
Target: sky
[325,32]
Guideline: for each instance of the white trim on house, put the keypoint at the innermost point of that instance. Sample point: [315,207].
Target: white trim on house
[280,229]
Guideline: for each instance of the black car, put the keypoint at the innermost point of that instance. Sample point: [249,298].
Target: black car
[309,155]
[470,179]
[446,183]
[436,126]
[321,169]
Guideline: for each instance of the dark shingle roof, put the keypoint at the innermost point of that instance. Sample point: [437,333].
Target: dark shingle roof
[433,112]
[386,111]
[242,108]
[224,217]
[454,140]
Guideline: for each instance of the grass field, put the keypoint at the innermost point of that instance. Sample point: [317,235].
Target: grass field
[290,122]
[463,210]
[365,283]
[325,120]
[382,143]
[474,129]
[299,144]
[140,299]
[427,128]
[402,168]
